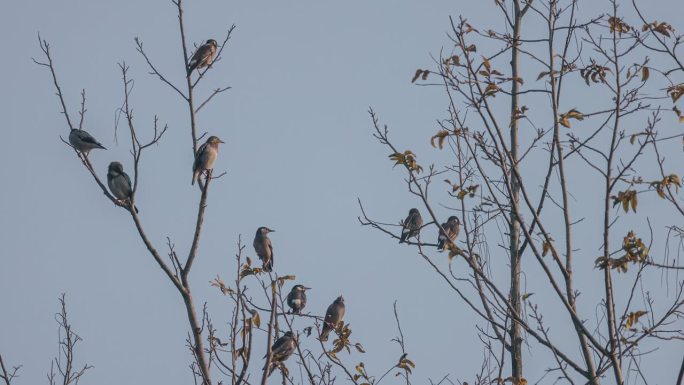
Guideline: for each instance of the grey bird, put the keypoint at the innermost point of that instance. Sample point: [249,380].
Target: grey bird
[120,183]
[296,299]
[281,350]
[83,141]
[411,225]
[204,56]
[452,226]
[333,316]
[205,157]
[264,248]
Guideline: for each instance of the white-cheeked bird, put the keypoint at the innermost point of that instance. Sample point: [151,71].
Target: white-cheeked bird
[205,157]
[204,56]
[83,142]
[120,184]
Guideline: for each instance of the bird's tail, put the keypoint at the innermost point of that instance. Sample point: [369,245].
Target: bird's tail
[403,237]
[192,66]
[268,265]
[325,332]
[101,146]
[440,243]
[194,177]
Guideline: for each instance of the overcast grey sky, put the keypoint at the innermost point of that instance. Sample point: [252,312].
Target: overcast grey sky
[299,152]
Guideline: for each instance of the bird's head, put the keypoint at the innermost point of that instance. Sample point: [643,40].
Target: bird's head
[414,211]
[288,334]
[214,140]
[301,288]
[454,219]
[339,299]
[264,230]
[212,42]
[116,168]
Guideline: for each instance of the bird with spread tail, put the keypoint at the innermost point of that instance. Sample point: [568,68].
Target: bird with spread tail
[120,184]
[83,142]
[205,157]
[411,225]
[264,248]
[296,299]
[452,226]
[333,316]
[204,56]
[281,350]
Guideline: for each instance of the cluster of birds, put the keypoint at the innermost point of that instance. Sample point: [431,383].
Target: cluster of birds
[284,346]
[118,181]
[411,226]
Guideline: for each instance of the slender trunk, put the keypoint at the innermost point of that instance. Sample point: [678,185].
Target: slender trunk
[569,290]
[197,336]
[514,230]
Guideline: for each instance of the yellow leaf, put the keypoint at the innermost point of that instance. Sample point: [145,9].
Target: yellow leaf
[256,320]
[526,296]
[644,73]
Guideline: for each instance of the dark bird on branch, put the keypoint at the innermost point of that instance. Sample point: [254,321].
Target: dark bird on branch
[296,299]
[204,56]
[120,184]
[264,248]
[333,316]
[411,225]
[451,227]
[281,350]
[205,157]
[83,141]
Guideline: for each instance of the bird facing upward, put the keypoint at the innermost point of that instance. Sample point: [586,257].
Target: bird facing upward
[411,225]
[264,248]
[282,349]
[83,141]
[204,56]
[452,226]
[120,183]
[205,157]
[296,299]
[333,316]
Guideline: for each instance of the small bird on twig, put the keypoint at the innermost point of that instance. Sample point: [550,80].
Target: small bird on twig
[120,184]
[83,141]
[296,299]
[452,226]
[411,225]
[204,56]
[264,248]
[205,157]
[281,350]
[333,316]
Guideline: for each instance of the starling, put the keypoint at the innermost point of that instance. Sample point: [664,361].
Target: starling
[120,183]
[204,56]
[205,157]
[333,316]
[451,227]
[83,141]
[296,300]
[282,349]
[263,248]
[411,225]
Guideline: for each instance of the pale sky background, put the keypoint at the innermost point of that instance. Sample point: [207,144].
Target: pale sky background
[299,152]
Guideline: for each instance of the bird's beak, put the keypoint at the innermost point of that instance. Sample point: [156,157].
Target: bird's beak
[220,141]
[271,231]
[307,288]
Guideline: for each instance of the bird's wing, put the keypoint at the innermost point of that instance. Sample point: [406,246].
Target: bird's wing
[84,136]
[199,156]
[279,345]
[199,54]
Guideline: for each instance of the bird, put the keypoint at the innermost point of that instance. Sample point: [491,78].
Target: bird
[264,248]
[452,226]
[281,350]
[296,299]
[120,183]
[333,316]
[205,157]
[82,141]
[204,56]
[411,225]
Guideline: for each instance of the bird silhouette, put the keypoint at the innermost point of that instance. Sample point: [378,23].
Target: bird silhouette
[281,350]
[411,225]
[83,141]
[120,184]
[264,248]
[452,226]
[333,316]
[205,157]
[296,299]
[204,56]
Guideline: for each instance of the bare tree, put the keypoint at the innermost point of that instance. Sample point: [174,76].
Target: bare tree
[495,178]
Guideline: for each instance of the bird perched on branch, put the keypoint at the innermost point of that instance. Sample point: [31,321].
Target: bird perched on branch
[333,316]
[120,184]
[264,248]
[204,56]
[281,350]
[452,226]
[296,299]
[83,141]
[205,157]
[411,225]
